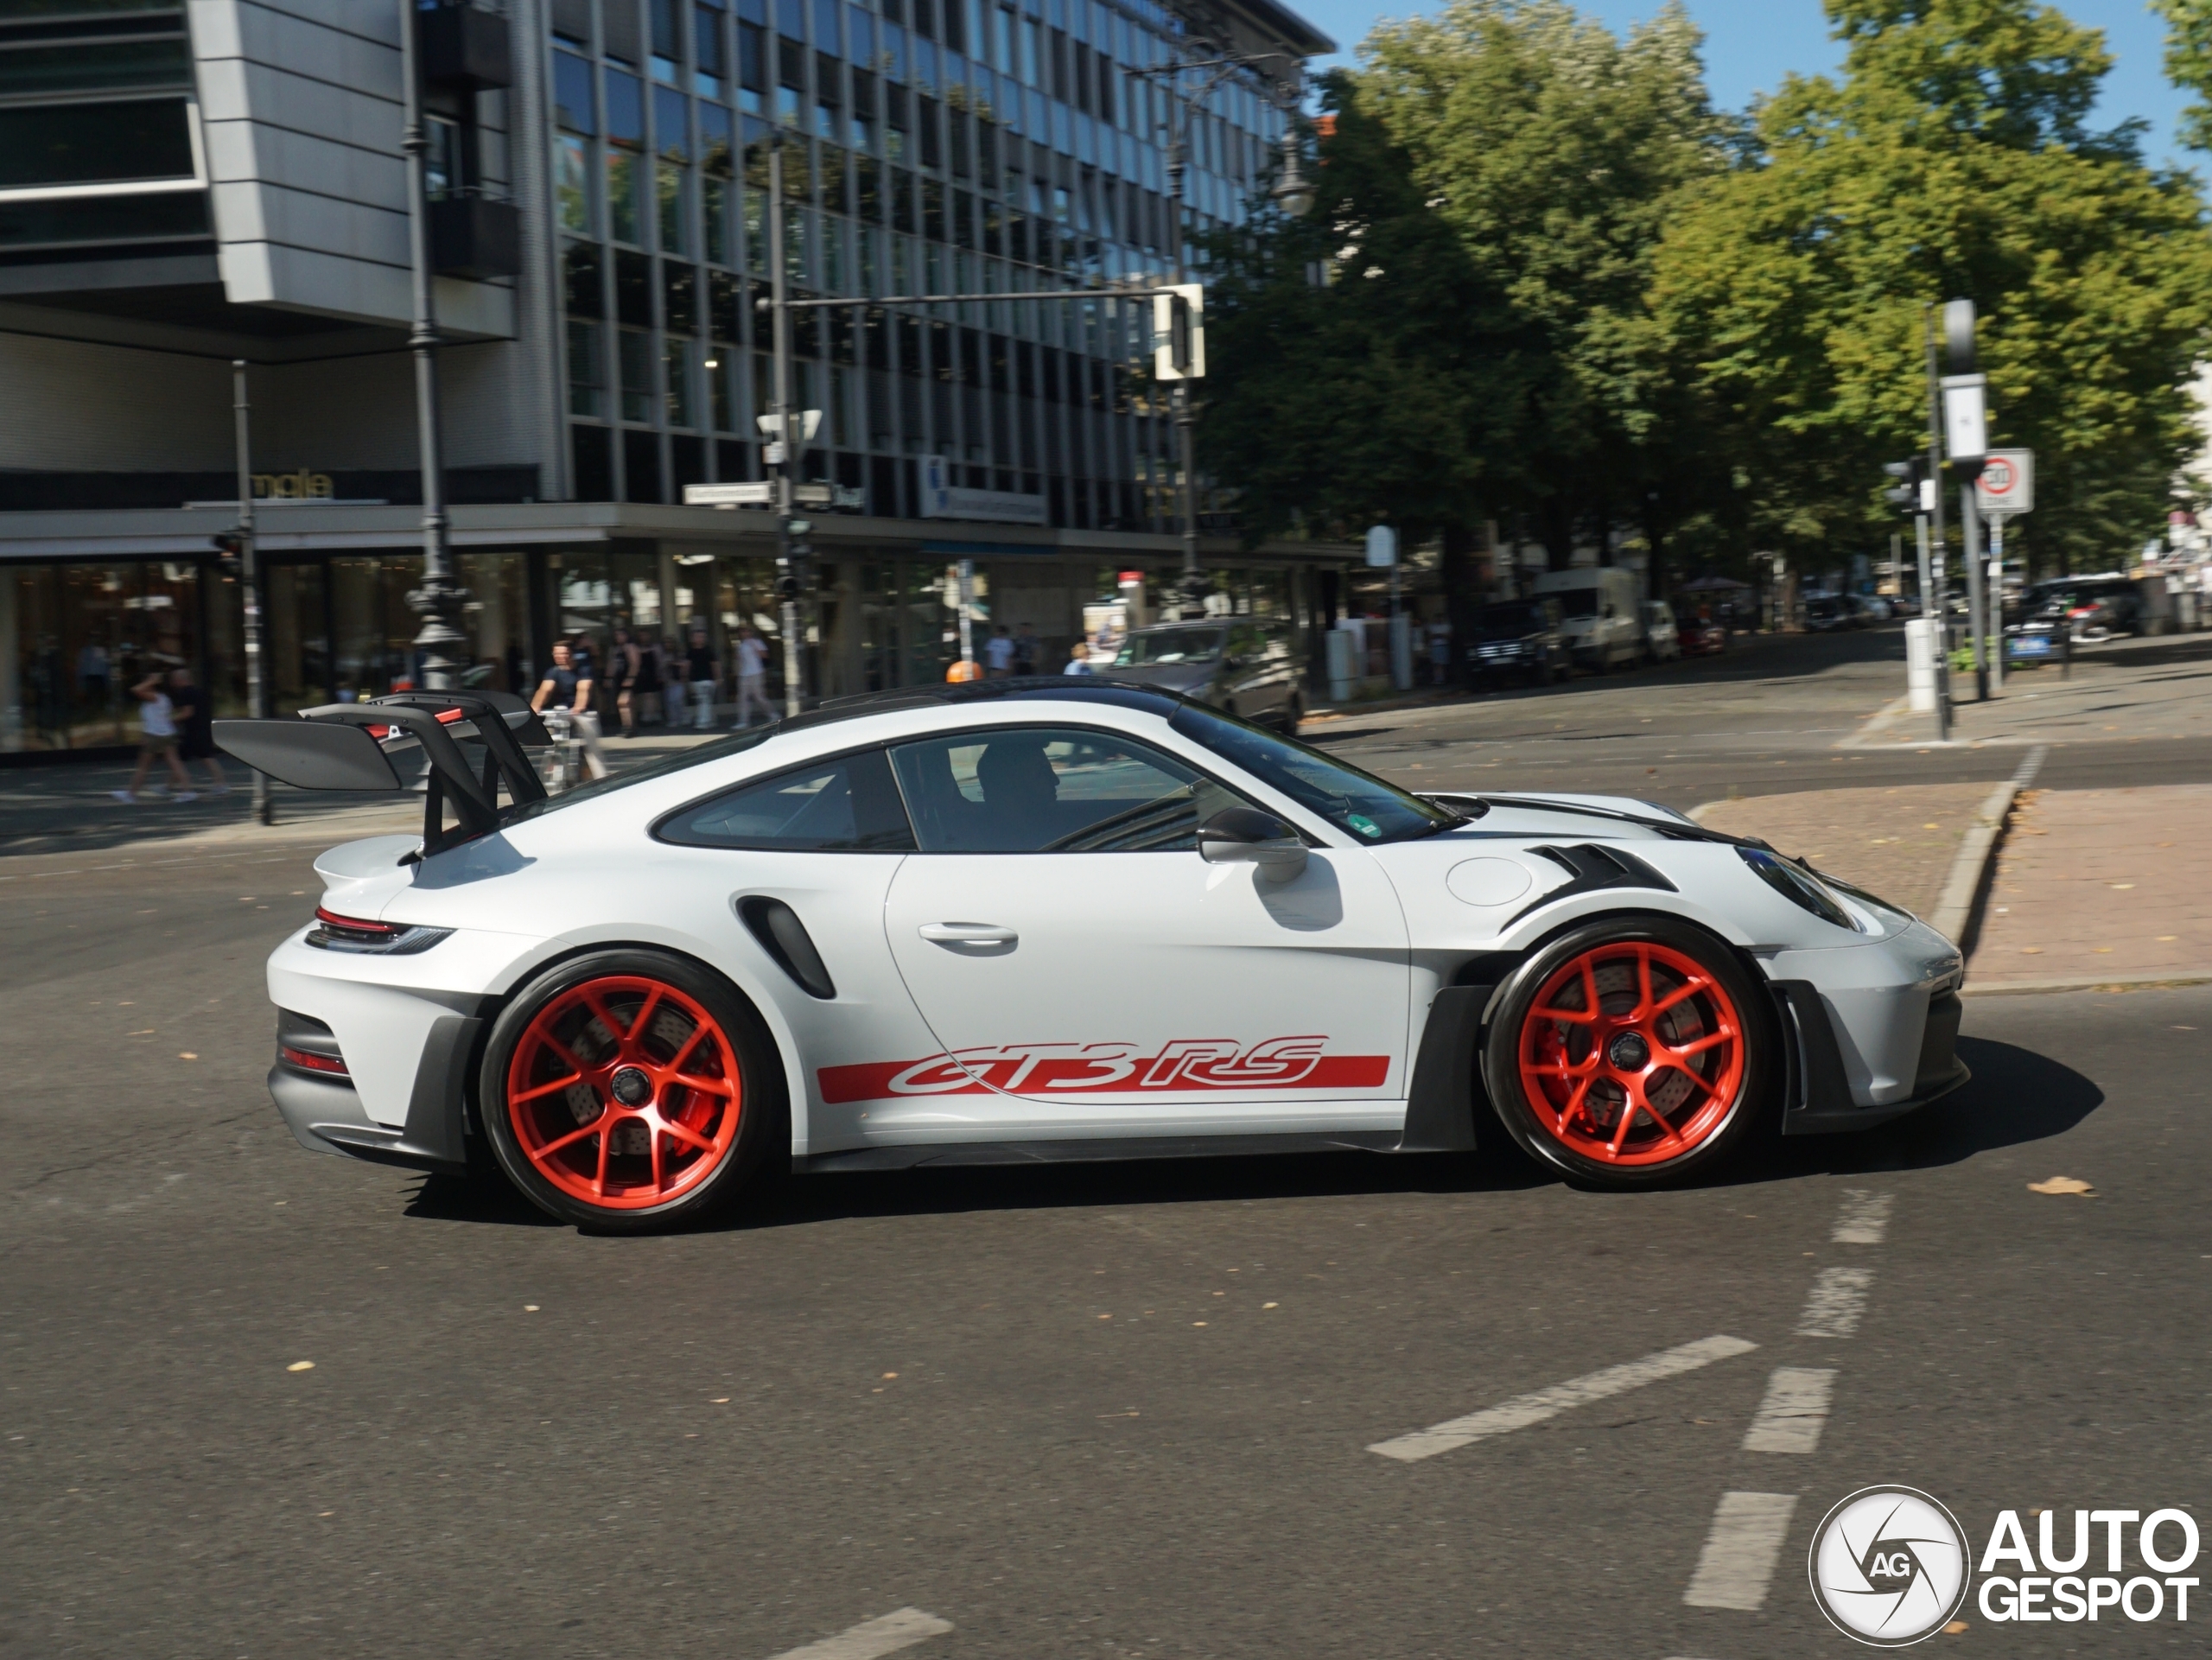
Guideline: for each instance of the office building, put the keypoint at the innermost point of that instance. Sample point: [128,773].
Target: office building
[185,184]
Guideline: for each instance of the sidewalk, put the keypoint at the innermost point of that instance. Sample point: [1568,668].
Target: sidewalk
[2119,691]
[2091,887]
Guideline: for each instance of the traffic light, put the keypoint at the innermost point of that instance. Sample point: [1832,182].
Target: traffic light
[230,549]
[1907,497]
[1179,333]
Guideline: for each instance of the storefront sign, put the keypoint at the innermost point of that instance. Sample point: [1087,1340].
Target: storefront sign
[301,486]
[941,499]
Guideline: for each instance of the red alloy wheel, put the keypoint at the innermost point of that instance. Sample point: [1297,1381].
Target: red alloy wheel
[624,1093]
[1631,1054]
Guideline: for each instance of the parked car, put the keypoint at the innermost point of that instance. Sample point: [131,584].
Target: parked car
[1519,637]
[1598,608]
[1247,668]
[1663,639]
[1871,607]
[1828,613]
[2092,607]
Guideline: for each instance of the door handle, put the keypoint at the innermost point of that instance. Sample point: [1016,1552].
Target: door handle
[967,933]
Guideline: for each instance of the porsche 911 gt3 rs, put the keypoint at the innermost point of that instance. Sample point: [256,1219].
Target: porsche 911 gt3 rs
[1040,920]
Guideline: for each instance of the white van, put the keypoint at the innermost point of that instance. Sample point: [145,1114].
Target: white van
[1600,619]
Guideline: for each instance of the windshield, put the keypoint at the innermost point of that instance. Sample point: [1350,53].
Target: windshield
[1170,645]
[1510,620]
[1353,800]
[736,744]
[1577,602]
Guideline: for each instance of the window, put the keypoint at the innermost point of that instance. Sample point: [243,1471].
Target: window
[624,176]
[574,107]
[1349,798]
[586,378]
[45,145]
[636,351]
[669,190]
[1045,790]
[848,805]
[572,182]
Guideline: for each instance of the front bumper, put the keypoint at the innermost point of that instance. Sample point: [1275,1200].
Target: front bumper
[1816,1093]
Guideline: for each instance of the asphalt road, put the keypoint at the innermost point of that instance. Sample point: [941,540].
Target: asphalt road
[1081,1412]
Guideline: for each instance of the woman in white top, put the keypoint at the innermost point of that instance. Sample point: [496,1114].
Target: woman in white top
[157,737]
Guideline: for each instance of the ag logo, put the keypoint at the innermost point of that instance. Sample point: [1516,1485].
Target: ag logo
[1889,1565]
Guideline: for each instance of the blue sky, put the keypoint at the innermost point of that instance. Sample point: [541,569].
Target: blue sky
[1750,44]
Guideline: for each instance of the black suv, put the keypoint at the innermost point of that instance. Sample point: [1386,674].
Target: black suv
[1519,637]
[2091,608]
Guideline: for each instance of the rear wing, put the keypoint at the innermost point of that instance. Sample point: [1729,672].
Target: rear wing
[350,746]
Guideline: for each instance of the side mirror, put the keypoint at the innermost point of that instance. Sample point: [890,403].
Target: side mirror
[1247,836]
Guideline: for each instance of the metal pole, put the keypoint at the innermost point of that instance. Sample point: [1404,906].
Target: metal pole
[1941,606]
[439,599]
[257,688]
[1994,610]
[785,449]
[1185,422]
[1977,603]
[1932,629]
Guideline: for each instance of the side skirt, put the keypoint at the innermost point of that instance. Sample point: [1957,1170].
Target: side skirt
[935,1154]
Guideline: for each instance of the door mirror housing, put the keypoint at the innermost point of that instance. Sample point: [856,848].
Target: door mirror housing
[1247,836]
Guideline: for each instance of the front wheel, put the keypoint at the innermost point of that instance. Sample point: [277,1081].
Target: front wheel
[1631,1051]
[630,1092]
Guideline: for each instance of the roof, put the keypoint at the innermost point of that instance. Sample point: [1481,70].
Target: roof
[1032,688]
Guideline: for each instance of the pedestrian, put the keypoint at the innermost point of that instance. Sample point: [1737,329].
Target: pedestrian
[646,687]
[1078,660]
[193,715]
[1026,648]
[752,678]
[564,687]
[156,742]
[676,685]
[1439,651]
[622,679]
[92,674]
[998,653]
[704,670]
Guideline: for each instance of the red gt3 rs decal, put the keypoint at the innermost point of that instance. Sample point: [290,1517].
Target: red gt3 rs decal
[1185,1064]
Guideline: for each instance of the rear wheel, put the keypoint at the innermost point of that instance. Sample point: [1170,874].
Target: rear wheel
[1631,1051]
[630,1092]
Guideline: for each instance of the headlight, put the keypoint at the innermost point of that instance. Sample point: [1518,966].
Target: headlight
[1799,885]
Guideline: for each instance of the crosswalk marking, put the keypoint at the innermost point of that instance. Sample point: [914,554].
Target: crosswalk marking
[1737,1565]
[1790,1418]
[1534,1408]
[1838,1302]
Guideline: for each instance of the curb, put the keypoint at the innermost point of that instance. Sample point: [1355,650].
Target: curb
[2094,982]
[1958,911]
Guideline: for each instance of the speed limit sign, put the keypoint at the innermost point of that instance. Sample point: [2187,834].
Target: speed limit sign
[2007,484]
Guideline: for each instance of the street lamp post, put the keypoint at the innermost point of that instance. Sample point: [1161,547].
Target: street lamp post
[783,452]
[439,599]
[1291,193]
[257,680]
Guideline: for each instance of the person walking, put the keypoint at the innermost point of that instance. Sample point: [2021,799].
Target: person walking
[565,689]
[646,687]
[193,715]
[622,677]
[1078,660]
[1025,646]
[998,653]
[676,685]
[156,742]
[752,678]
[704,670]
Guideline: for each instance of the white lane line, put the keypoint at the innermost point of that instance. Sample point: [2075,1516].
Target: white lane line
[1790,1417]
[1736,1564]
[1839,1299]
[1525,1409]
[1865,1218]
[887,1634]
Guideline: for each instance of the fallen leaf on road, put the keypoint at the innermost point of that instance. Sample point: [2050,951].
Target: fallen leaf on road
[1955,1627]
[2167,938]
[2063,1185]
[187,1055]
[301,1365]
[1931,827]
[2031,950]
[2123,886]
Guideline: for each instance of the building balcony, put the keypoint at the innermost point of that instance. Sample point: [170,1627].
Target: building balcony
[475,236]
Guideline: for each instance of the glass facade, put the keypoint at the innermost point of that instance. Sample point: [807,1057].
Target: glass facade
[928,146]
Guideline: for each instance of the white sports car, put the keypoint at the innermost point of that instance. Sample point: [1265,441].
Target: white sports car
[1034,919]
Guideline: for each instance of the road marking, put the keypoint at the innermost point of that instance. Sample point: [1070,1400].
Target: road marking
[1864,1219]
[1736,1564]
[887,1634]
[1533,1408]
[1839,1299]
[1790,1417]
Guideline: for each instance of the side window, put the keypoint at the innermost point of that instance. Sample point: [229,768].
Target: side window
[1051,790]
[846,805]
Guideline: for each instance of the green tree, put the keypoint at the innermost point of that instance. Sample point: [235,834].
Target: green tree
[1952,159]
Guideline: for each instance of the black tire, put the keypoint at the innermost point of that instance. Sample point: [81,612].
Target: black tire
[739,1042]
[1721,1126]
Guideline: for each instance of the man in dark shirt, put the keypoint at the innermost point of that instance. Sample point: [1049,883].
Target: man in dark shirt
[566,687]
[196,728]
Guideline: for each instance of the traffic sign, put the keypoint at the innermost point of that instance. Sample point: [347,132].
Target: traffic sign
[1382,547]
[2007,484]
[1179,333]
[729,495]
